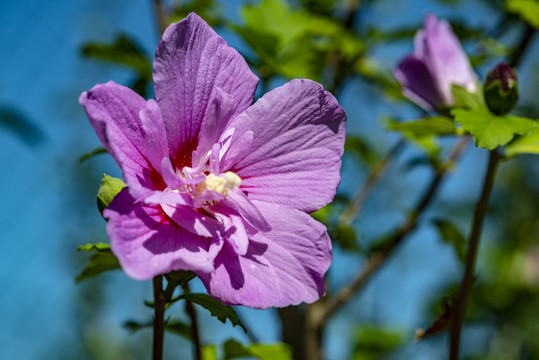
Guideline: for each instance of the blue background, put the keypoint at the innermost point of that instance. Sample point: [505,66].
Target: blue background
[49,201]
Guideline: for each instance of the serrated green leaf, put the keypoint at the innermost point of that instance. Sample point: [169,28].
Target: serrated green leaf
[175,326]
[209,352]
[216,308]
[452,235]
[91,154]
[527,144]
[122,51]
[527,9]
[99,263]
[490,131]
[429,126]
[235,350]
[110,187]
[99,247]
[466,100]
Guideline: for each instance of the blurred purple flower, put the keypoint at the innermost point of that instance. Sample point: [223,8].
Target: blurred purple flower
[438,62]
[218,185]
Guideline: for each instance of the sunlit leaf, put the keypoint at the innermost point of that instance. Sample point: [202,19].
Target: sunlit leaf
[452,235]
[209,352]
[429,126]
[216,308]
[109,188]
[235,350]
[467,100]
[99,247]
[490,131]
[527,144]
[91,154]
[527,9]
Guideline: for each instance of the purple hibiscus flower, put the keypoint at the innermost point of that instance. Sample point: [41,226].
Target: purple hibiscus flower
[438,62]
[218,185]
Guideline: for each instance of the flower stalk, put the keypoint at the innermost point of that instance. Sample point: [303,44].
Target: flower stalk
[471,256]
[159,318]
[191,312]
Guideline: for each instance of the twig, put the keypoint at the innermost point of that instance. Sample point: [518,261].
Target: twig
[159,318]
[162,19]
[471,256]
[516,56]
[191,312]
[354,206]
[393,240]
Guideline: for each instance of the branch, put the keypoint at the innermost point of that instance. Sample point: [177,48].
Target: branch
[191,312]
[376,173]
[159,318]
[393,240]
[162,19]
[471,256]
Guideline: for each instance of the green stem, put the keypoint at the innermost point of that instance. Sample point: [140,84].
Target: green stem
[159,318]
[471,256]
[191,312]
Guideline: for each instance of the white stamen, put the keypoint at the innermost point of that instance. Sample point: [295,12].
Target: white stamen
[221,184]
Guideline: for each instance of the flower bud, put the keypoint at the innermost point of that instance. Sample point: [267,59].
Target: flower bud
[501,89]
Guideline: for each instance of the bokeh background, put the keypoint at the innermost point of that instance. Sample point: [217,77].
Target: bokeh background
[49,199]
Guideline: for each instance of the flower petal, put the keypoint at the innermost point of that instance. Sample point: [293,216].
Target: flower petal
[113,111]
[239,202]
[155,139]
[294,156]
[190,62]
[444,56]
[147,243]
[282,267]
[418,83]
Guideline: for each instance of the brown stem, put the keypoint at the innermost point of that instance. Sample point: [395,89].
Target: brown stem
[162,20]
[471,256]
[393,240]
[376,173]
[159,318]
[191,312]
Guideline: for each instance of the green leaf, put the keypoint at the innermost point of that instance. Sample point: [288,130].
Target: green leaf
[359,146]
[467,100]
[20,125]
[216,308]
[429,126]
[452,235]
[122,51]
[375,342]
[177,327]
[99,247]
[527,144]
[490,131]
[110,187]
[180,276]
[235,350]
[91,154]
[100,261]
[209,352]
[527,9]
